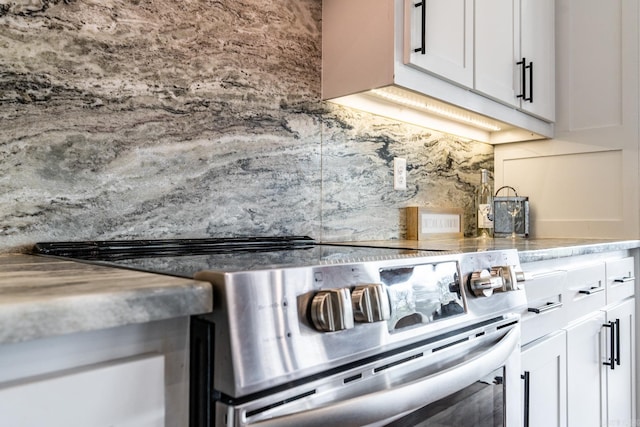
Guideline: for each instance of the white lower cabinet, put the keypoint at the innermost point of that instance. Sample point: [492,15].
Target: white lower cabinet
[621,389]
[124,393]
[598,393]
[583,374]
[128,376]
[544,382]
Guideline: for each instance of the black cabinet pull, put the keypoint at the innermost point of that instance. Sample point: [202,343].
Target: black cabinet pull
[614,344]
[423,43]
[545,307]
[530,99]
[526,67]
[523,82]
[527,381]
[618,342]
[592,290]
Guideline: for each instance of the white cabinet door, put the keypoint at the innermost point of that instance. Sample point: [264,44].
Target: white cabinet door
[537,52]
[514,60]
[496,30]
[585,373]
[544,363]
[124,393]
[620,380]
[597,392]
[441,38]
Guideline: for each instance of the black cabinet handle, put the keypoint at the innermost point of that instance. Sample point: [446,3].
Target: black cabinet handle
[523,82]
[423,43]
[527,381]
[546,307]
[530,99]
[592,290]
[526,67]
[614,344]
[618,342]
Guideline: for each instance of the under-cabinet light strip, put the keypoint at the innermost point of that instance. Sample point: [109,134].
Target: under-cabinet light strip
[435,109]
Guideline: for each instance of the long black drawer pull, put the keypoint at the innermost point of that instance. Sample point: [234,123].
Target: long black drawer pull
[527,381]
[423,43]
[625,279]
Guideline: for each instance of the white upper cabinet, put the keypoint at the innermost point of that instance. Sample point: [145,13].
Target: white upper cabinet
[503,49]
[455,60]
[496,49]
[441,38]
[515,54]
[537,56]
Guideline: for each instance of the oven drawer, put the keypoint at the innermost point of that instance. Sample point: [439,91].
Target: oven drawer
[585,290]
[545,312]
[620,279]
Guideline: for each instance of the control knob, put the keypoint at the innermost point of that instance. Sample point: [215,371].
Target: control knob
[484,282]
[370,303]
[500,278]
[331,310]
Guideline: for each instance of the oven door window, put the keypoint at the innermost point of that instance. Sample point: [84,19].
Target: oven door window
[479,405]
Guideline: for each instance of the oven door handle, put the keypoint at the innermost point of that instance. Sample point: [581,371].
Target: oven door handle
[387,405]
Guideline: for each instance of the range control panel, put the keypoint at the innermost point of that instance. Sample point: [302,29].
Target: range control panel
[412,295]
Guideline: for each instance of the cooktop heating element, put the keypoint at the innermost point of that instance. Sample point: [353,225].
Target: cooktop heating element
[186,257]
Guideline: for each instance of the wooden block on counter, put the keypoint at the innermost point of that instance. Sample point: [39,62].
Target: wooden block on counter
[426,223]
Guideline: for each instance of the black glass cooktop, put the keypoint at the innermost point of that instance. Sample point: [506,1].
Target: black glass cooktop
[185,257]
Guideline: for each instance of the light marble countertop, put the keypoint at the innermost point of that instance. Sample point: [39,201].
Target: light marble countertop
[529,250]
[42,297]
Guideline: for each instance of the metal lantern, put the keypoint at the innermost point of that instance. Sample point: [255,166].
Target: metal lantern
[511,214]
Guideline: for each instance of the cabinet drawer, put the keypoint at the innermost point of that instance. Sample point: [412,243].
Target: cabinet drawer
[620,279]
[124,393]
[545,310]
[585,290]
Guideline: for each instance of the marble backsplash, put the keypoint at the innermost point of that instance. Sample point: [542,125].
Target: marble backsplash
[156,118]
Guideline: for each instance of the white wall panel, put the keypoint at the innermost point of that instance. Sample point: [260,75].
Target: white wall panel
[592,58]
[585,182]
[553,184]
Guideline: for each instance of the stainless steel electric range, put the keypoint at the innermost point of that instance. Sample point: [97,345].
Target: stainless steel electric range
[311,334]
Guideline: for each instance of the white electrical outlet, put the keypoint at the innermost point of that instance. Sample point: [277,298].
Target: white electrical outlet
[399,173]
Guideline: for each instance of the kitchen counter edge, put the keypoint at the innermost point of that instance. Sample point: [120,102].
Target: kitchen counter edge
[44,296]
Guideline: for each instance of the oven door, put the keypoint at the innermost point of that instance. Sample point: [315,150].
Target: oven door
[471,378]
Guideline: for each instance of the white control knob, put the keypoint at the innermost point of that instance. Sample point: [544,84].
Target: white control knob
[331,310]
[370,303]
